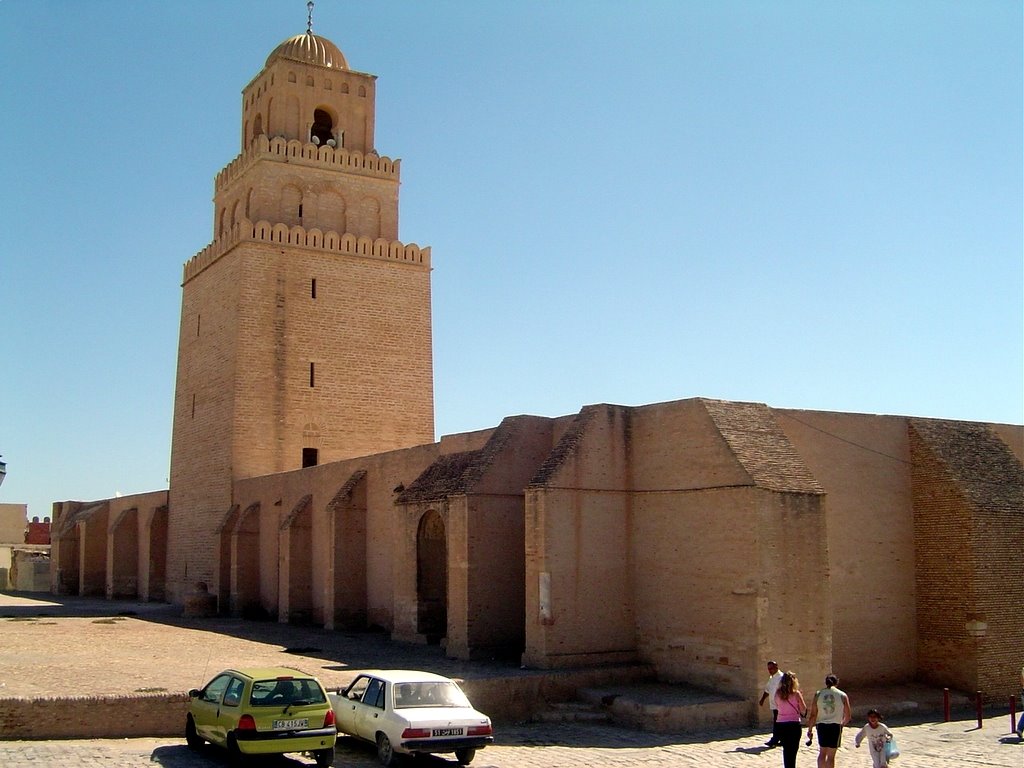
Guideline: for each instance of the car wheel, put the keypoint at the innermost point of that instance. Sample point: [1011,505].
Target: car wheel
[324,757]
[192,737]
[385,752]
[465,756]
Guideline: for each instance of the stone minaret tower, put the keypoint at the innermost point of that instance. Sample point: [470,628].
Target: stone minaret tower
[305,325]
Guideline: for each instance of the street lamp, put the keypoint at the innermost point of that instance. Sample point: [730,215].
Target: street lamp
[3,471]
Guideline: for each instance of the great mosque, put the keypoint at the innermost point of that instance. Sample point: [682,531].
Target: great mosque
[699,537]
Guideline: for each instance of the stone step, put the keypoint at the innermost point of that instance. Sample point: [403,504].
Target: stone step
[573,712]
[563,716]
[668,708]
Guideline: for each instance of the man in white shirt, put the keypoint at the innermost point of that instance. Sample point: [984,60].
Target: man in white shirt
[775,675]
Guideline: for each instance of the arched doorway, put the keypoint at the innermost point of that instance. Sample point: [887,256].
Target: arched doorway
[432,578]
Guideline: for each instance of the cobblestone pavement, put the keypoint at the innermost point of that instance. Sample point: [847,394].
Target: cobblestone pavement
[957,744]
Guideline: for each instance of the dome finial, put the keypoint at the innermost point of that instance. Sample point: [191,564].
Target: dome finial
[309,18]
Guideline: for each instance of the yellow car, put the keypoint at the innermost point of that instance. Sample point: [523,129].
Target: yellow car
[265,711]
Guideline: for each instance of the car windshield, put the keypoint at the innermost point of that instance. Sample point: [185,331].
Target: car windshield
[284,691]
[432,694]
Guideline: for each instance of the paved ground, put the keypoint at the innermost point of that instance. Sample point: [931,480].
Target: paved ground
[924,745]
[49,647]
[47,642]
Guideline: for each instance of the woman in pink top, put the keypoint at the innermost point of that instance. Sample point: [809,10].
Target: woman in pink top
[790,703]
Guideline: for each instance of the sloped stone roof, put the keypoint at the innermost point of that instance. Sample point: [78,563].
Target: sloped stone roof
[984,467]
[566,446]
[445,477]
[761,447]
[348,488]
[298,510]
[456,474]
[68,523]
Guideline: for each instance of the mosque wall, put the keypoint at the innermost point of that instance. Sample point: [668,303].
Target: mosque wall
[863,462]
[495,579]
[728,574]
[133,560]
[696,593]
[968,491]
[278,495]
[579,569]
[92,553]
[623,556]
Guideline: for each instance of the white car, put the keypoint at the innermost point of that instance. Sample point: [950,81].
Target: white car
[405,712]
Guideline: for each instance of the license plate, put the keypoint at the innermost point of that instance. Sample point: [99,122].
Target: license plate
[291,725]
[447,732]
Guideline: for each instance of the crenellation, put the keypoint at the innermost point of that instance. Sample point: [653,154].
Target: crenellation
[313,239]
[293,151]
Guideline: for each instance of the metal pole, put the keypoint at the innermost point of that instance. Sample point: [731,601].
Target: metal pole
[1013,714]
[977,705]
[945,705]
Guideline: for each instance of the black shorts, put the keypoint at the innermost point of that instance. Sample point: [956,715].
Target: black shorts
[829,734]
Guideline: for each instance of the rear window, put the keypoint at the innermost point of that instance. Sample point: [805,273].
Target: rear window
[429,694]
[281,692]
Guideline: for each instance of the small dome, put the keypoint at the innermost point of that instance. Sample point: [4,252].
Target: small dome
[310,49]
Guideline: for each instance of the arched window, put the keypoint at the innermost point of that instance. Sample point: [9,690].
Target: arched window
[257,127]
[321,131]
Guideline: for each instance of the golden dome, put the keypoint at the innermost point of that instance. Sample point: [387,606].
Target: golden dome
[310,49]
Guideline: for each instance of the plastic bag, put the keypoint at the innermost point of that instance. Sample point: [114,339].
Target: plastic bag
[892,750]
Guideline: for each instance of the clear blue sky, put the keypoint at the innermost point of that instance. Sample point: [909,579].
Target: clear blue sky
[808,204]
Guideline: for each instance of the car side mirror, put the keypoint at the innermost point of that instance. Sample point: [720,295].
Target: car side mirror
[193,693]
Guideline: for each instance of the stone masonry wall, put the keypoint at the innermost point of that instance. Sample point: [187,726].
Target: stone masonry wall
[93,717]
[579,562]
[969,521]
[201,460]
[863,464]
[278,494]
[347,371]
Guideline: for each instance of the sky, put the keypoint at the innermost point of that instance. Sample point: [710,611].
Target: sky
[813,205]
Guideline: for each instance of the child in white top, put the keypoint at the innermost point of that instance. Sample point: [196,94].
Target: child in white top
[878,735]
